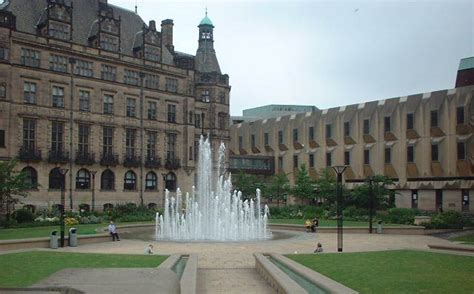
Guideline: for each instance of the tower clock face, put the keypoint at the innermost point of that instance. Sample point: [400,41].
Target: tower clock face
[206,35]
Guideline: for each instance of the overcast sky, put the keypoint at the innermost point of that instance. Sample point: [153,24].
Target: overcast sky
[325,53]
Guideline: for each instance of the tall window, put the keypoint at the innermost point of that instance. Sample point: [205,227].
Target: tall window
[131,77]
[107,140]
[130,181]
[107,180]
[30,57]
[58,63]
[29,93]
[461,150]
[222,121]
[2,138]
[29,133]
[130,142]
[58,97]
[295,161]
[83,68]
[347,129]
[460,115]
[311,160]
[328,159]
[280,137]
[152,81]
[171,146]
[295,135]
[347,158]
[4,53]
[388,155]
[205,96]
[83,146]
[328,131]
[56,179]
[84,100]
[241,142]
[83,179]
[222,97]
[152,110]
[311,133]
[108,104]
[387,124]
[434,152]
[57,136]
[170,182]
[410,121]
[108,72]
[252,140]
[434,118]
[151,144]
[280,162]
[31,177]
[3,91]
[366,127]
[150,181]
[131,107]
[414,199]
[266,139]
[171,85]
[197,120]
[366,156]
[109,43]
[171,113]
[410,154]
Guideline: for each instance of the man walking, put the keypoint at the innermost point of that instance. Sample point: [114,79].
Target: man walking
[113,231]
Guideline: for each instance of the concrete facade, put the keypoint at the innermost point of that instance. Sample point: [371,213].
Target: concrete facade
[105,71]
[423,142]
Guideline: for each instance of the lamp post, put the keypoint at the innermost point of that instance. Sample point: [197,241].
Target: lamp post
[339,171]
[63,172]
[371,202]
[93,172]
[164,189]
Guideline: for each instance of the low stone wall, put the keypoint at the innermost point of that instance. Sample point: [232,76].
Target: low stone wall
[402,230]
[276,277]
[44,242]
[188,282]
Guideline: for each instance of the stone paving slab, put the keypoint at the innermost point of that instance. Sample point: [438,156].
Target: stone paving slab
[230,281]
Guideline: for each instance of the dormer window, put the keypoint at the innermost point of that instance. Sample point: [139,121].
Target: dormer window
[108,43]
[59,30]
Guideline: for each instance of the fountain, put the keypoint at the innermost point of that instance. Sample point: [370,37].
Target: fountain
[212,211]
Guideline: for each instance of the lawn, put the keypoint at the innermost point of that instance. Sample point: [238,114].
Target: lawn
[401,271]
[26,268]
[466,239]
[325,223]
[37,232]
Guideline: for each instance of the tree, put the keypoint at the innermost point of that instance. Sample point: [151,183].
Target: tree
[326,186]
[12,186]
[382,196]
[279,187]
[247,184]
[304,187]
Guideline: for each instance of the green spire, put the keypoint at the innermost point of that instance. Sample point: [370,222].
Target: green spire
[206,21]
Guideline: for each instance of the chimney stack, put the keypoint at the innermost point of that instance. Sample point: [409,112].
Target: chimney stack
[167,32]
[152,25]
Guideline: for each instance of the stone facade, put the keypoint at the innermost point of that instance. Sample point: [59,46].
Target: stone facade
[89,87]
[423,142]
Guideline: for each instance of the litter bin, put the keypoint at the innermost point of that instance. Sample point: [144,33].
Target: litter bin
[380,227]
[53,240]
[72,237]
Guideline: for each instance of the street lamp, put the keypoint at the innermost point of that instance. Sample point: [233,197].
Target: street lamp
[339,169]
[164,189]
[63,172]
[93,172]
[371,202]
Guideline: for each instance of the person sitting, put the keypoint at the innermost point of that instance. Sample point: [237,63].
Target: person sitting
[319,248]
[149,249]
[307,224]
[314,225]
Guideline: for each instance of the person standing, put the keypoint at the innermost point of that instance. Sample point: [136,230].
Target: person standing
[113,231]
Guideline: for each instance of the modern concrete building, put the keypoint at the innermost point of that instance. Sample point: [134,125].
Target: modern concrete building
[89,87]
[423,142]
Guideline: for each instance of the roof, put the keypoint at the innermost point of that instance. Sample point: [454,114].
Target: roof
[466,63]
[206,21]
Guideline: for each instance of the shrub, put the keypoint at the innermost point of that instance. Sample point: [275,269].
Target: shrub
[450,220]
[356,214]
[90,219]
[23,216]
[400,216]
[69,221]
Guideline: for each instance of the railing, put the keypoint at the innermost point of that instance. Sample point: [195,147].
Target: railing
[109,159]
[85,158]
[131,160]
[152,162]
[58,156]
[172,163]
[29,154]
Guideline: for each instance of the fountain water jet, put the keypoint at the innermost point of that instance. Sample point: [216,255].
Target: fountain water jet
[212,211]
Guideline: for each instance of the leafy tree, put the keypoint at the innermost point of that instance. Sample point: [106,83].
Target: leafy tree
[247,184]
[304,187]
[326,186]
[12,186]
[279,187]
[382,196]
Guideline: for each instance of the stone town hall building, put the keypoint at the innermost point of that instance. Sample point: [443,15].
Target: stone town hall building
[89,87]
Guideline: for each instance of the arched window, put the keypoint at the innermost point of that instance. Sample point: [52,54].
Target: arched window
[83,179]
[107,180]
[130,181]
[56,179]
[150,181]
[31,177]
[108,206]
[170,181]
[84,207]
[30,207]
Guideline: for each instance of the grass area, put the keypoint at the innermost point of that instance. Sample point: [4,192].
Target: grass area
[466,239]
[401,271]
[26,268]
[38,232]
[325,223]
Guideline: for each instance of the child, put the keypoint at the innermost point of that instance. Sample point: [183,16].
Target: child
[319,248]
[149,249]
